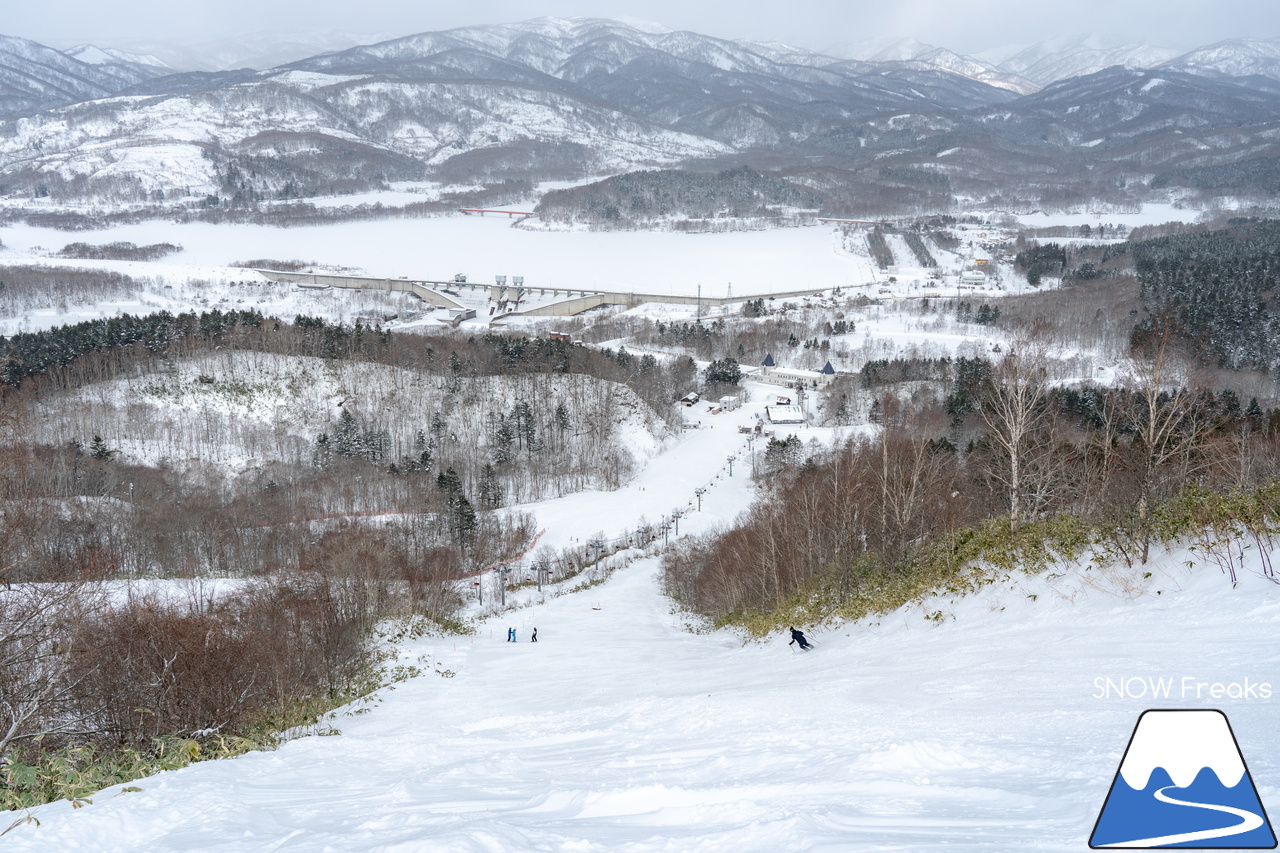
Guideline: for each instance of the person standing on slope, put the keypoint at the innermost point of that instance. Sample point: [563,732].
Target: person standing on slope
[534,638]
[511,635]
[798,637]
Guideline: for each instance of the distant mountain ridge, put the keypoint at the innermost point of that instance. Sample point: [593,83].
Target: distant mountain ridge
[1028,68]
[907,125]
[35,77]
[94,55]
[1050,61]
[249,49]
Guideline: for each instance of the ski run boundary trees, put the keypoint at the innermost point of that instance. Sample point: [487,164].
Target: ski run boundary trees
[1005,473]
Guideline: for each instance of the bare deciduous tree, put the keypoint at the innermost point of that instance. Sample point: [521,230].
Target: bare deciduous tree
[1167,427]
[1014,409]
[909,470]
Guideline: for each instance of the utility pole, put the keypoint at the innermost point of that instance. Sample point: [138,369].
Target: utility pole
[676,515]
[666,530]
[730,466]
[699,493]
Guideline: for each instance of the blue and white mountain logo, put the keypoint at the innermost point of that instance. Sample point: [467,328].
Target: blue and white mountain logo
[1183,783]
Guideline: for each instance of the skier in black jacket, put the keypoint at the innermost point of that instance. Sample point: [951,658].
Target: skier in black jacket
[798,637]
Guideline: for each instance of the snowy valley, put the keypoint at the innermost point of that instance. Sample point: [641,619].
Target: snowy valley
[433,444]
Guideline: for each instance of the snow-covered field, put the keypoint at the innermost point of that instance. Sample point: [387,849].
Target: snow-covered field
[436,248]
[1147,214]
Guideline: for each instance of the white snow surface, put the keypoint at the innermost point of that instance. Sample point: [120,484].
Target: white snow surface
[1183,743]
[971,724]
[978,729]
[620,731]
[436,248]
[1147,214]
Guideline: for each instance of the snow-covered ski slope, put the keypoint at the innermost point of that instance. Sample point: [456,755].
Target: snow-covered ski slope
[621,731]
[979,730]
[982,729]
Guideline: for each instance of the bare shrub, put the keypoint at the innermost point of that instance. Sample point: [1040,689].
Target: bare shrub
[41,626]
[155,669]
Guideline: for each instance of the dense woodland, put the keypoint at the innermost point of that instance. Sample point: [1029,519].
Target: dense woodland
[1214,291]
[1221,289]
[314,550]
[639,199]
[980,452]
[1038,261]
[975,453]
[33,288]
[287,209]
[513,419]
[118,251]
[1259,175]
[879,248]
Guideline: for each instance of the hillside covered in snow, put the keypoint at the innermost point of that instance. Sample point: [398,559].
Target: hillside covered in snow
[1058,123]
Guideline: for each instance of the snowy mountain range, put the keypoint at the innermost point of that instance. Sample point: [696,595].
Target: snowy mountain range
[1061,58]
[246,50]
[34,77]
[555,99]
[1029,68]
[94,55]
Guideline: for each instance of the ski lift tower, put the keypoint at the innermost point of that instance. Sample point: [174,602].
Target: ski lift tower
[502,582]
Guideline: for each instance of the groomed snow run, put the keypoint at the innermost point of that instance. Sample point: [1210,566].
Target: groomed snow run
[621,731]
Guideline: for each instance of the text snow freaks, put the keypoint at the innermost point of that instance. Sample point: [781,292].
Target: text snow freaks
[1186,687]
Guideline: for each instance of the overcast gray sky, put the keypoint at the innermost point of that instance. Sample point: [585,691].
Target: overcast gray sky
[962,25]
